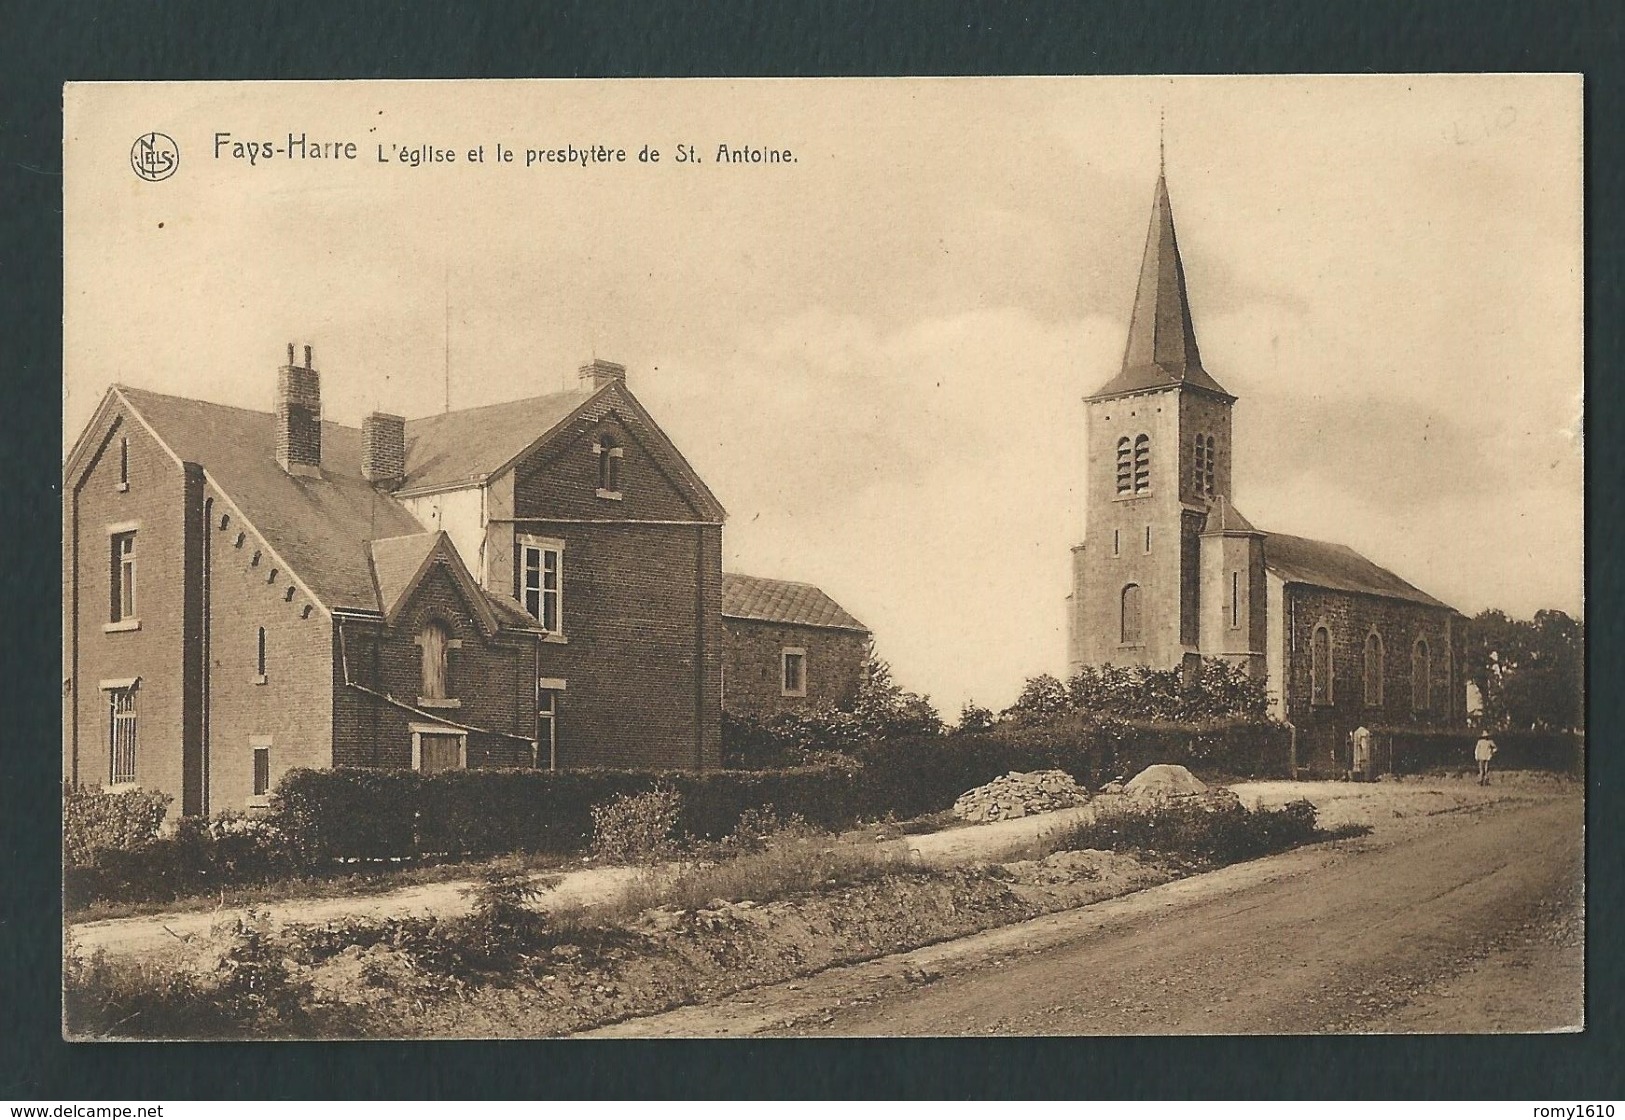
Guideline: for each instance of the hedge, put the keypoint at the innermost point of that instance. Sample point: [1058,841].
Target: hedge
[324,816]
[94,821]
[1416,750]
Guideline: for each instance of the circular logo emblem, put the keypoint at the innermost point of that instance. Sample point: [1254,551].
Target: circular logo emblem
[154,156]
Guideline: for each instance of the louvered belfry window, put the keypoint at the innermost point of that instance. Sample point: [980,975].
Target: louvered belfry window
[1125,466]
[1142,464]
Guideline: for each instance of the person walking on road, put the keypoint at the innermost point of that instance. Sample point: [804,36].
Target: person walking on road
[1483,751]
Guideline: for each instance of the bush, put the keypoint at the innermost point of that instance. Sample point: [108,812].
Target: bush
[636,828]
[200,856]
[94,821]
[1199,831]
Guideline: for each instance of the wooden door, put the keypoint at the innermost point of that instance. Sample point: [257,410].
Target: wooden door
[440,752]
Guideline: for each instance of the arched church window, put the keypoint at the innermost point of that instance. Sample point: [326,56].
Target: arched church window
[1373,670]
[1421,676]
[1125,466]
[1142,464]
[1320,666]
[1131,615]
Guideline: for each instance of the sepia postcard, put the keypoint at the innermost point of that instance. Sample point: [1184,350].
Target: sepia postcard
[693,558]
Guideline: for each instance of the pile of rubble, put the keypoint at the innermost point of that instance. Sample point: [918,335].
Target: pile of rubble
[1018,794]
[1164,784]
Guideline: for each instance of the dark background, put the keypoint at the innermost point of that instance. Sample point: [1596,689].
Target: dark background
[47,44]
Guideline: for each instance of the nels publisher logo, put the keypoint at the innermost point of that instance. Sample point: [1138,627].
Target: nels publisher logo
[154,156]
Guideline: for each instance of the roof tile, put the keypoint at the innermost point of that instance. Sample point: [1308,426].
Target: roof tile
[783,601]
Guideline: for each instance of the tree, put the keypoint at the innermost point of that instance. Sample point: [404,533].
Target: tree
[1530,673]
[883,709]
[1042,698]
[974,717]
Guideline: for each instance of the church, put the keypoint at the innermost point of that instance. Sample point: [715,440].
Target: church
[1169,571]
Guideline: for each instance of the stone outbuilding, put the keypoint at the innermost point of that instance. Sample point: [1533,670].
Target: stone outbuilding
[787,646]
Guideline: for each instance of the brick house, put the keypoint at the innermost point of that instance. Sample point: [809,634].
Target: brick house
[786,646]
[533,583]
[1169,571]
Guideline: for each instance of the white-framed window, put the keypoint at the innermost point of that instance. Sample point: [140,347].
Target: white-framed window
[436,747]
[121,735]
[122,582]
[259,747]
[610,454]
[793,671]
[541,581]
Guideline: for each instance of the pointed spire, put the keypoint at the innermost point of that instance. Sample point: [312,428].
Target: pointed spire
[1161,332]
[1161,336]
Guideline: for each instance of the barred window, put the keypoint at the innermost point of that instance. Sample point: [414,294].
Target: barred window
[121,736]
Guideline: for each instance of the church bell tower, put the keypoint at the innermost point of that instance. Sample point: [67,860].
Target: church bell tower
[1158,461]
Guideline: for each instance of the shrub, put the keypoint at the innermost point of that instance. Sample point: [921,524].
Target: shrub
[1198,830]
[1414,750]
[94,821]
[636,828]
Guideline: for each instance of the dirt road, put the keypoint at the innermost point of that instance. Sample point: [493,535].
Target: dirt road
[1466,921]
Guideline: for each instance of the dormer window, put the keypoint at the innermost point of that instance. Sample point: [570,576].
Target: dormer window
[610,454]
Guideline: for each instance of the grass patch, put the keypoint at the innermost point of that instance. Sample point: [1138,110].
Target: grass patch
[347,880]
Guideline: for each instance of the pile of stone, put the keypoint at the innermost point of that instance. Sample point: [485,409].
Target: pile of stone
[1165,784]
[1020,794]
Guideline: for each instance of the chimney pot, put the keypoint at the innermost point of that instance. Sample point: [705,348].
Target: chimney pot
[598,373]
[383,450]
[299,417]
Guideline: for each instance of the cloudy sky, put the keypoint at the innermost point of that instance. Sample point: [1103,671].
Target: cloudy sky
[876,354]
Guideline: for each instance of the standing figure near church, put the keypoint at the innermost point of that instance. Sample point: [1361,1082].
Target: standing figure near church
[1483,751]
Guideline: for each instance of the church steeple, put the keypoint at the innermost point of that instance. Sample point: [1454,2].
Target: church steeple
[1161,347]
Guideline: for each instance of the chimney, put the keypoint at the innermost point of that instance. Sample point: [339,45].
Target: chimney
[383,450]
[299,418]
[598,373]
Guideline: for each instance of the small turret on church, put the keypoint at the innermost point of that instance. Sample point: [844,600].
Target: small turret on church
[1159,457]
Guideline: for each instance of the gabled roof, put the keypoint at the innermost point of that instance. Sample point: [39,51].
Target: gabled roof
[470,444]
[783,601]
[1161,349]
[399,565]
[1338,568]
[1222,517]
[318,526]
